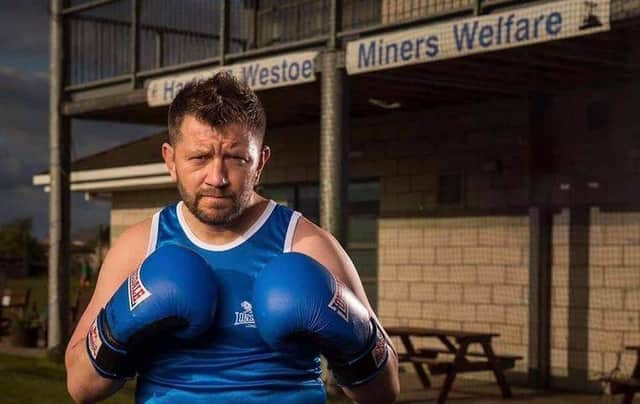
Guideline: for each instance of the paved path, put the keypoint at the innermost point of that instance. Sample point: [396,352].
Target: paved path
[484,392]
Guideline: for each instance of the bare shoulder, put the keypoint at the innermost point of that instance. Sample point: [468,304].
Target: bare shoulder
[308,234]
[125,255]
[128,251]
[317,243]
[135,236]
[322,246]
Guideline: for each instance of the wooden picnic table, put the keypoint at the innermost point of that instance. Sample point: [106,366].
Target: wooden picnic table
[456,343]
[12,303]
[628,386]
[636,369]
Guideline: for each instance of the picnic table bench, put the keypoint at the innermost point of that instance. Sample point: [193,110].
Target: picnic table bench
[12,302]
[627,386]
[455,343]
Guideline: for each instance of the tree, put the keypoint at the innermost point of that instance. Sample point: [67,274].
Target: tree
[16,241]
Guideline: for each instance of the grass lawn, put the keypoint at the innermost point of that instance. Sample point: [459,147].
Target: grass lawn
[34,380]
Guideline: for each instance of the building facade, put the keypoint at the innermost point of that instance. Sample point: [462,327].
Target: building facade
[478,159]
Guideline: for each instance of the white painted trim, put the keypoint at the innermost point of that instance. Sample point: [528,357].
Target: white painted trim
[122,184]
[117,185]
[127,172]
[153,233]
[291,229]
[224,247]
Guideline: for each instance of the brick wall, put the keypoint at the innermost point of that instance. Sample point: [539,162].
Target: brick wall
[294,155]
[457,273]
[588,336]
[614,293]
[612,285]
[461,271]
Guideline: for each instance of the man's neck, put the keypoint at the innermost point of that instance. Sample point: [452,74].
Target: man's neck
[219,235]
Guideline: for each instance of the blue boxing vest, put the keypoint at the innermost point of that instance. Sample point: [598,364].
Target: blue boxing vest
[231,363]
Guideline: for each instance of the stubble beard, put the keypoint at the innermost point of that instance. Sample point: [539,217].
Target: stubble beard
[212,216]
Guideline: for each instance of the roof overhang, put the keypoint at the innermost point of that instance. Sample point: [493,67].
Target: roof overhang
[146,176]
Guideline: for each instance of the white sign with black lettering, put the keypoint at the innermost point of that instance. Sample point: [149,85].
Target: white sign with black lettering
[518,27]
[277,71]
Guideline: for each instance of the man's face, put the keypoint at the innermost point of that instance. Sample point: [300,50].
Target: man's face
[215,169]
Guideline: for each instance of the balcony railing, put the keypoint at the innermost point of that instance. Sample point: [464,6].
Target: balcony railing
[121,40]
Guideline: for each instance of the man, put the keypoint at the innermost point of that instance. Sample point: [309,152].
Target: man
[85,274]
[216,155]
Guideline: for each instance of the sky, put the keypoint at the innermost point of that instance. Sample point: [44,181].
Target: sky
[24,122]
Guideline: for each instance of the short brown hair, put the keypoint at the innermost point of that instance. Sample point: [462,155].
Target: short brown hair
[218,101]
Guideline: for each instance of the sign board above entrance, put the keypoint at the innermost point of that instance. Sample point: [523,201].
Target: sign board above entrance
[260,74]
[518,27]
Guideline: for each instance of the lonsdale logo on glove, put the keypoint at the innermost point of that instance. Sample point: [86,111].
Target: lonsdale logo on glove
[337,303]
[137,292]
[380,351]
[93,339]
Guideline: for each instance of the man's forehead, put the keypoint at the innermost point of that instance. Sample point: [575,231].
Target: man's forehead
[232,134]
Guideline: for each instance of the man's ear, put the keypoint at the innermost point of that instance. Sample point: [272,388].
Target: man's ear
[168,154]
[264,157]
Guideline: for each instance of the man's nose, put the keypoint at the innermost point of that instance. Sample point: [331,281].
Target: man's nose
[217,175]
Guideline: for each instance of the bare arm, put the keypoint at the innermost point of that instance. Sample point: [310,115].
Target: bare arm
[84,383]
[311,240]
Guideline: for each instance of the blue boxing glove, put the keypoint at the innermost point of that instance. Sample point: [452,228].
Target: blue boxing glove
[173,292]
[298,302]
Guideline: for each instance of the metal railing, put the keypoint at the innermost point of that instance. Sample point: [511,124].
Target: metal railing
[399,10]
[98,49]
[111,41]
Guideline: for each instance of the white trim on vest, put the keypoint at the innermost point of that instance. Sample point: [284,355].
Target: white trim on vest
[291,229]
[153,233]
[224,247]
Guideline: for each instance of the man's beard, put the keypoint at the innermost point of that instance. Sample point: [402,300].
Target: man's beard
[213,216]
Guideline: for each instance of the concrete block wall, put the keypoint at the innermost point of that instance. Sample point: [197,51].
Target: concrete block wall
[614,289]
[294,155]
[486,144]
[462,271]
[467,273]
[606,154]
